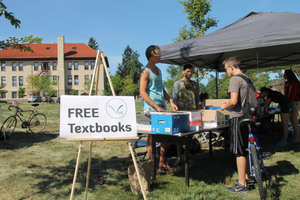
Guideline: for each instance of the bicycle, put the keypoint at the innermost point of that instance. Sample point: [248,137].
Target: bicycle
[258,171]
[35,123]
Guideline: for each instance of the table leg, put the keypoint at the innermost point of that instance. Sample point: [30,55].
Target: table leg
[154,158]
[186,163]
[210,144]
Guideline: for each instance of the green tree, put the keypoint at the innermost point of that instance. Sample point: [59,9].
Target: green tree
[93,43]
[199,23]
[45,84]
[130,65]
[223,85]
[129,88]
[175,73]
[74,92]
[211,87]
[127,75]
[32,84]
[87,86]
[2,91]
[21,92]
[13,42]
[37,84]
[186,34]
[198,17]
[118,84]
[260,79]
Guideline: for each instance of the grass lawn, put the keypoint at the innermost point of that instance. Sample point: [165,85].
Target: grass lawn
[41,167]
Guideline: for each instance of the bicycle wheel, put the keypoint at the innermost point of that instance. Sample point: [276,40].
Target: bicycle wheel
[37,123]
[8,126]
[258,171]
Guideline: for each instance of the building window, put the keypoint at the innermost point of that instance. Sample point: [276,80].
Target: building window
[86,79]
[69,65]
[76,65]
[36,66]
[86,65]
[92,65]
[3,67]
[14,81]
[20,66]
[69,79]
[3,80]
[54,80]
[45,66]
[14,66]
[3,96]
[14,95]
[76,81]
[54,66]
[21,81]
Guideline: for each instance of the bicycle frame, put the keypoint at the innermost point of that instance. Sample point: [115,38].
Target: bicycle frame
[252,139]
[35,122]
[19,112]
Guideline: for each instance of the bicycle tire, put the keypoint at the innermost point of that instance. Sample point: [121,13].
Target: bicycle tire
[258,171]
[8,127]
[37,123]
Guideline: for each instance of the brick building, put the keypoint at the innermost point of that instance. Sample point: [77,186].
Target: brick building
[68,65]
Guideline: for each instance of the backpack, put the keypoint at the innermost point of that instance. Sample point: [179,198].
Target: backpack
[253,108]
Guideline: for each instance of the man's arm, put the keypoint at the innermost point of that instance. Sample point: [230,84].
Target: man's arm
[167,97]
[232,101]
[267,104]
[197,98]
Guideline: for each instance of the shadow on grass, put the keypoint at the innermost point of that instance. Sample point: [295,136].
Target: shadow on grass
[22,139]
[211,170]
[113,171]
[275,177]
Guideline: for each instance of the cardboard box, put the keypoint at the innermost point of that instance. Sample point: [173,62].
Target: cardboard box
[227,115]
[143,123]
[169,122]
[195,119]
[195,128]
[212,118]
[215,102]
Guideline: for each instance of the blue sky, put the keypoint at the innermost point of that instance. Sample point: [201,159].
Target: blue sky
[118,23]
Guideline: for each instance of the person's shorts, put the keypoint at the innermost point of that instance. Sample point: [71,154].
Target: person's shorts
[286,108]
[238,137]
[296,105]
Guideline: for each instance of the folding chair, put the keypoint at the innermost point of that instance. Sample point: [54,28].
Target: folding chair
[204,137]
[139,144]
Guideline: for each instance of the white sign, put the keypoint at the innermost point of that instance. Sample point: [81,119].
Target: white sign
[97,117]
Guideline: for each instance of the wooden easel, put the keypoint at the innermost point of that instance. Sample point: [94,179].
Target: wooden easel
[96,75]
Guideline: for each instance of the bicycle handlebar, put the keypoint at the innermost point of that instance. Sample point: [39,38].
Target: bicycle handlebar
[18,109]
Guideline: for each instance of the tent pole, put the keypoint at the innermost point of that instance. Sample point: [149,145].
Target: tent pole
[217,83]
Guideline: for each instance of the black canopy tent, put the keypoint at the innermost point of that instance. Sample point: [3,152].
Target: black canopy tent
[260,40]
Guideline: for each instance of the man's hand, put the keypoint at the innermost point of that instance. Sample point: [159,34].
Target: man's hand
[223,107]
[174,106]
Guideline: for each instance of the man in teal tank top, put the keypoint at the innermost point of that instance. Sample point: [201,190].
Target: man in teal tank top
[154,95]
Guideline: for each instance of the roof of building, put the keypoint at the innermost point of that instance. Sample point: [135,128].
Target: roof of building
[72,51]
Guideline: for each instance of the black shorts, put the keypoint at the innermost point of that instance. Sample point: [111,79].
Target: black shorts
[238,137]
[286,108]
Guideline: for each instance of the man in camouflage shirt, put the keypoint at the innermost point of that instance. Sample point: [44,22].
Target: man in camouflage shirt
[185,95]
